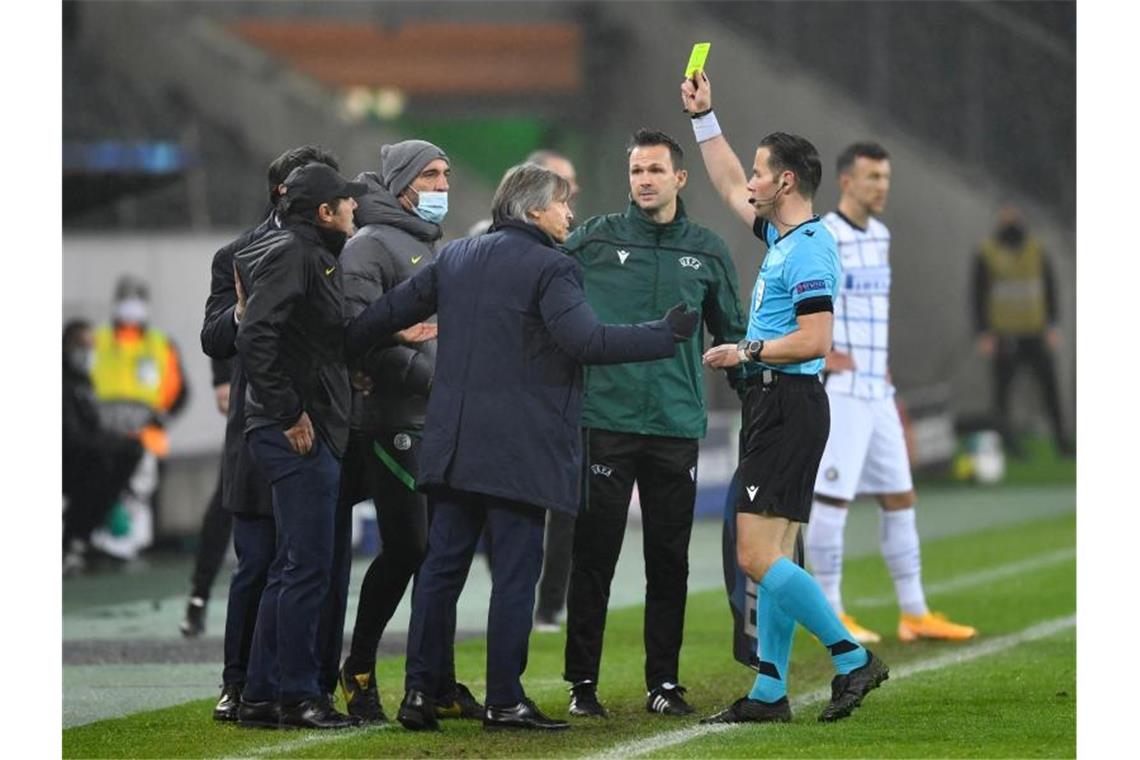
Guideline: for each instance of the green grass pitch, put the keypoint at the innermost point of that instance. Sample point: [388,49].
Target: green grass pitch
[1008,693]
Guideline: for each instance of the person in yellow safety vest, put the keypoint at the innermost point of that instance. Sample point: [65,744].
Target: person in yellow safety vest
[139,383]
[1015,319]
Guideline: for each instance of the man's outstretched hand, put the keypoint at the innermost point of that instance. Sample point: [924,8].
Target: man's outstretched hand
[420,333]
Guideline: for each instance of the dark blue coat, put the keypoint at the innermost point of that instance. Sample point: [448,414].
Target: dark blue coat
[504,413]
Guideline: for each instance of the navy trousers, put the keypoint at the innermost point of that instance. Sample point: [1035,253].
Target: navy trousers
[458,519]
[255,541]
[330,636]
[284,662]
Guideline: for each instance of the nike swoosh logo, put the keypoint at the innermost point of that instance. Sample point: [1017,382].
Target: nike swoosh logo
[416,259]
[329,271]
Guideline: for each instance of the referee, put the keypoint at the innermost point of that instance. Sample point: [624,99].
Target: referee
[785,416]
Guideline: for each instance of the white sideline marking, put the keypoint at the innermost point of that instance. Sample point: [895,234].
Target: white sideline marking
[979,578]
[307,739]
[957,657]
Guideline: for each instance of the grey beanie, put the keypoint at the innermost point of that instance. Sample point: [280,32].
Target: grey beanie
[402,162]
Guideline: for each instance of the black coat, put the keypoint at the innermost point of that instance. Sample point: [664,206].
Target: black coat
[514,331]
[291,336]
[390,246]
[244,488]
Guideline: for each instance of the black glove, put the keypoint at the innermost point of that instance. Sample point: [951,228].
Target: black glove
[682,321]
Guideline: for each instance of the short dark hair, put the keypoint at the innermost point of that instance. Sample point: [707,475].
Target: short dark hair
[284,164]
[795,154]
[644,138]
[871,150]
[72,329]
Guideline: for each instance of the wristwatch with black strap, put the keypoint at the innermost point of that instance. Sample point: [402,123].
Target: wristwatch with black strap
[749,350]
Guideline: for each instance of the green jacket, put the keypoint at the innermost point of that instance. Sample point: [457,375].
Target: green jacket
[635,270]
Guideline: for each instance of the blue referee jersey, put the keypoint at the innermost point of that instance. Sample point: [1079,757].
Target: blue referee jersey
[803,263]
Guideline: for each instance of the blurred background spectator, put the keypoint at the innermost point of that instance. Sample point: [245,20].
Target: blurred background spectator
[137,378]
[1015,315]
[97,461]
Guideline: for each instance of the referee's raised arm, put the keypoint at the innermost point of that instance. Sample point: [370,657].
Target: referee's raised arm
[724,168]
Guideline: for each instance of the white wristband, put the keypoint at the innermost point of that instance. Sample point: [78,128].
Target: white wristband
[706,127]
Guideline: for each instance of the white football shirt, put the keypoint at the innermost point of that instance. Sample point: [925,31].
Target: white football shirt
[862,309]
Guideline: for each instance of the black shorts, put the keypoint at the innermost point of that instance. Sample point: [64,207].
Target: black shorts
[784,431]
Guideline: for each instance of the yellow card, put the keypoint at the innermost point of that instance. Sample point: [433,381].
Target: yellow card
[697,59]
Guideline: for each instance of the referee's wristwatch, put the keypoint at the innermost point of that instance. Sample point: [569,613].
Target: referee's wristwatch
[749,350]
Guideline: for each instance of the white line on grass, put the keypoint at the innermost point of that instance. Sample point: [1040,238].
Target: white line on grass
[949,659]
[981,577]
[308,739]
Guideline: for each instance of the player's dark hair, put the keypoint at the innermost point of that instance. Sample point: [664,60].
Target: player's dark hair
[284,164]
[797,155]
[871,150]
[645,138]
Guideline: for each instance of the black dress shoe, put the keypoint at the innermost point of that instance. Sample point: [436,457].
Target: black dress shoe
[259,714]
[417,712]
[227,707]
[314,713]
[523,715]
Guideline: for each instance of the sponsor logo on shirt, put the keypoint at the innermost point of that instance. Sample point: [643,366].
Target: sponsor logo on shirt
[809,285]
[689,261]
[622,255]
[601,469]
[867,281]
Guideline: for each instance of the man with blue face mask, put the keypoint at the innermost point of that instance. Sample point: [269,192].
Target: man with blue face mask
[398,223]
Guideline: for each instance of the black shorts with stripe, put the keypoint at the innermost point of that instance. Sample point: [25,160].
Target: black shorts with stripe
[786,419]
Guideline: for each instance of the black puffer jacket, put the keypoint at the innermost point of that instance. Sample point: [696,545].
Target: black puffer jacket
[390,246]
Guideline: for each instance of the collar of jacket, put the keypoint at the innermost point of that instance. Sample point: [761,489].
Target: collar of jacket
[379,206]
[529,229]
[333,240]
[639,218]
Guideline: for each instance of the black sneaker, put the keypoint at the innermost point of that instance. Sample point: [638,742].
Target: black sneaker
[584,701]
[847,691]
[361,697]
[461,703]
[745,710]
[668,699]
[194,624]
[227,707]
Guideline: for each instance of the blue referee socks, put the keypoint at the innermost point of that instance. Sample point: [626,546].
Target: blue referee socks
[794,590]
[775,630]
